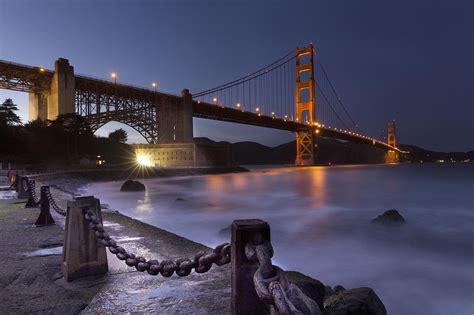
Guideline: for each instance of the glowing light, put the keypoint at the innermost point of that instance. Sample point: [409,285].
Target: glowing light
[113,75]
[144,160]
[317,130]
[214,99]
[257,109]
[41,69]
[238,105]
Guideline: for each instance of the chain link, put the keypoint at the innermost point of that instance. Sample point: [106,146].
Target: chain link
[53,203]
[272,284]
[32,191]
[201,263]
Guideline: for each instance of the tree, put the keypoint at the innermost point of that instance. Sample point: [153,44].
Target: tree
[119,135]
[8,117]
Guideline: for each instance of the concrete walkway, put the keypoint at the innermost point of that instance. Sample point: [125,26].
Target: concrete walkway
[31,279]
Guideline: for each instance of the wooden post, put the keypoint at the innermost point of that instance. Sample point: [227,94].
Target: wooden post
[45,217]
[83,254]
[244,299]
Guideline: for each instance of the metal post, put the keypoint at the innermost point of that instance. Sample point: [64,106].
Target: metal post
[83,254]
[244,299]
[45,217]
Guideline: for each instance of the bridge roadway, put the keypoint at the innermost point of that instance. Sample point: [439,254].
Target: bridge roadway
[26,78]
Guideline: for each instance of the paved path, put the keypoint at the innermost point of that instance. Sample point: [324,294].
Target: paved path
[31,280]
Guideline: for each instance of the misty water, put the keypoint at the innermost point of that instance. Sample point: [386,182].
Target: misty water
[320,216]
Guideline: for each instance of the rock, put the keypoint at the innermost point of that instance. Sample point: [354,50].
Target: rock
[389,217]
[339,288]
[132,185]
[313,288]
[360,301]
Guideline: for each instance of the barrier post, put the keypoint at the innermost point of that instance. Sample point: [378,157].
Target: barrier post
[244,298]
[22,187]
[83,254]
[45,217]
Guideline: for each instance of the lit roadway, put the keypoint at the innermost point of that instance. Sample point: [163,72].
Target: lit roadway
[25,78]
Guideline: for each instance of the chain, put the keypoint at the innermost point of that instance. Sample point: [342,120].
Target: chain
[32,190]
[53,204]
[201,263]
[272,284]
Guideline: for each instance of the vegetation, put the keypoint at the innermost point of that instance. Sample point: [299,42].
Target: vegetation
[67,141]
[7,113]
[119,135]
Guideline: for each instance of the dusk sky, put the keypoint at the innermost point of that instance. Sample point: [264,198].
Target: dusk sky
[408,60]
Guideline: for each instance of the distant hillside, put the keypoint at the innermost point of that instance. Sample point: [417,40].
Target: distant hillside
[328,151]
[331,151]
[418,154]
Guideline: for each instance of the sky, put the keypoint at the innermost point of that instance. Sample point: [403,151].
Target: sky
[412,61]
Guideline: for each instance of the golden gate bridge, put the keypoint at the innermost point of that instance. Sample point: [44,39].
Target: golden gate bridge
[290,93]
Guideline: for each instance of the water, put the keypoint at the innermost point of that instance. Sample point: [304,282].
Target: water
[319,218]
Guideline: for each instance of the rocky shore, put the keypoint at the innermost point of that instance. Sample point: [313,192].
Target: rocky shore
[36,275]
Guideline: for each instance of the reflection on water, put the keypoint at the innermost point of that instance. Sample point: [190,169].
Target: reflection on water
[319,218]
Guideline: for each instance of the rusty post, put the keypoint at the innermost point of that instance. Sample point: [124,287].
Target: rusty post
[45,217]
[83,254]
[244,299]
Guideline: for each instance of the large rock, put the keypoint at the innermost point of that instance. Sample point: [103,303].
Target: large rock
[360,301]
[132,185]
[313,288]
[391,217]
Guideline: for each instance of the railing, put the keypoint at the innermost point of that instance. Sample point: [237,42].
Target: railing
[257,286]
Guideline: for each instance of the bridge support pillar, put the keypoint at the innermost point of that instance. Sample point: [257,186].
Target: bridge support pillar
[59,99]
[304,148]
[38,105]
[175,120]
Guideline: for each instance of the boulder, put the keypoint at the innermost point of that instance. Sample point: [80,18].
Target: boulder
[313,288]
[132,185]
[360,301]
[390,217]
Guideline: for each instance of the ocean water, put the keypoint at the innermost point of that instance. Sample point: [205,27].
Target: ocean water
[320,216]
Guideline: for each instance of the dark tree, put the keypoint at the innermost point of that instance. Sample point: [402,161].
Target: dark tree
[8,117]
[119,135]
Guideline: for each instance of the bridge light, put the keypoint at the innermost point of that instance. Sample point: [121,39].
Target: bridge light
[114,76]
[238,105]
[41,69]
[154,85]
[214,99]
[317,130]
[257,109]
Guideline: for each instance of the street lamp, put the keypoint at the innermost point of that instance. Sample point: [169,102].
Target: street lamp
[114,76]
[214,100]
[154,85]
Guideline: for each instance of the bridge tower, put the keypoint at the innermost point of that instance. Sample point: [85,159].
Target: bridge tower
[392,156]
[305,104]
[59,98]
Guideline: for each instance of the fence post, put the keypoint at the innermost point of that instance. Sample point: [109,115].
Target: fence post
[45,217]
[244,299]
[22,187]
[83,254]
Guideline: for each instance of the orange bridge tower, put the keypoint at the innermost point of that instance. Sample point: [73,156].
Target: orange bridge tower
[392,156]
[305,104]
